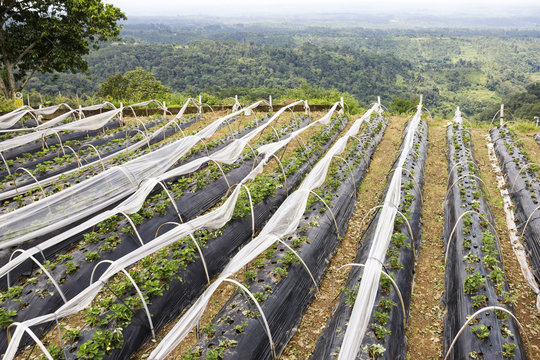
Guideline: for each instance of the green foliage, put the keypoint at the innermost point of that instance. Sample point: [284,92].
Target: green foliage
[402,106]
[135,85]
[508,349]
[91,256]
[55,351]
[374,350]
[250,275]
[380,331]
[101,344]
[71,335]
[51,35]
[522,105]
[481,331]
[71,267]
[114,87]
[10,293]
[479,301]
[473,283]
[6,317]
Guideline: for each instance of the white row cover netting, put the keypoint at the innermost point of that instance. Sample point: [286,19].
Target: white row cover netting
[98,192]
[284,222]
[369,285]
[212,220]
[104,120]
[90,123]
[93,122]
[131,205]
[12,117]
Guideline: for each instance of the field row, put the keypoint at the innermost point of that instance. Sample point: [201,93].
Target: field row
[216,237]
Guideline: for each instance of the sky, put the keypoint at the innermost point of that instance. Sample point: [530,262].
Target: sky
[239,8]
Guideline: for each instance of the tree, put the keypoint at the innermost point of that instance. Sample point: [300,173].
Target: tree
[401,106]
[114,87]
[135,85]
[49,36]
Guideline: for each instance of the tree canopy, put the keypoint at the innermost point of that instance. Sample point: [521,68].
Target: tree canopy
[50,35]
[136,85]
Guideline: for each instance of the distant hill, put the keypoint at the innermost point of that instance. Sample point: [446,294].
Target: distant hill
[214,64]
[523,105]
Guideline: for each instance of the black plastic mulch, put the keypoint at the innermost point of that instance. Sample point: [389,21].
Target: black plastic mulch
[285,298]
[473,261]
[399,263]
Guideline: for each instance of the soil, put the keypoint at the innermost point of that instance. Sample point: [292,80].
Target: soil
[424,334]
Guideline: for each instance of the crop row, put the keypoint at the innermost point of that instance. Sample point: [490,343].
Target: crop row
[385,331]
[479,321]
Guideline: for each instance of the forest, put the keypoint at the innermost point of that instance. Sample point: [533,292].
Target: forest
[476,68]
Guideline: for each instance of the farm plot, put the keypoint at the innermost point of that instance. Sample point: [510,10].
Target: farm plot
[383,335]
[282,285]
[115,237]
[269,182]
[106,188]
[479,321]
[70,154]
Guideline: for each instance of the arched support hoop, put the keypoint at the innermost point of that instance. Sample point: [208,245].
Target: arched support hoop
[266,327]
[133,226]
[473,316]
[97,152]
[400,214]
[196,245]
[389,278]
[455,227]
[149,317]
[461,178]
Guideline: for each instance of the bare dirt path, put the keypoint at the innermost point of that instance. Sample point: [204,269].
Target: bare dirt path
[424,333]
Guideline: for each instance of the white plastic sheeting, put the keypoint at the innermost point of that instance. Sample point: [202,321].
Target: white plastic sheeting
[130,148]
[369,285]
[98,192]
[131,205]
[284,222]
[212,220]
[11,118]
[90,123]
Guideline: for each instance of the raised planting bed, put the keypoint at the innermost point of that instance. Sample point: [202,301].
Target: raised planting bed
[56,159]
[277,279]
[475,276]
[57,208]
[522,178]
[52,161]
[159,275]
[385,334]
[179,189]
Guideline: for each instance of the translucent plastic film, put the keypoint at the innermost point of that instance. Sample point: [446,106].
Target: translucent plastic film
[284,222]
[212,220]
[370,279]
[98,192]
[131,205]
